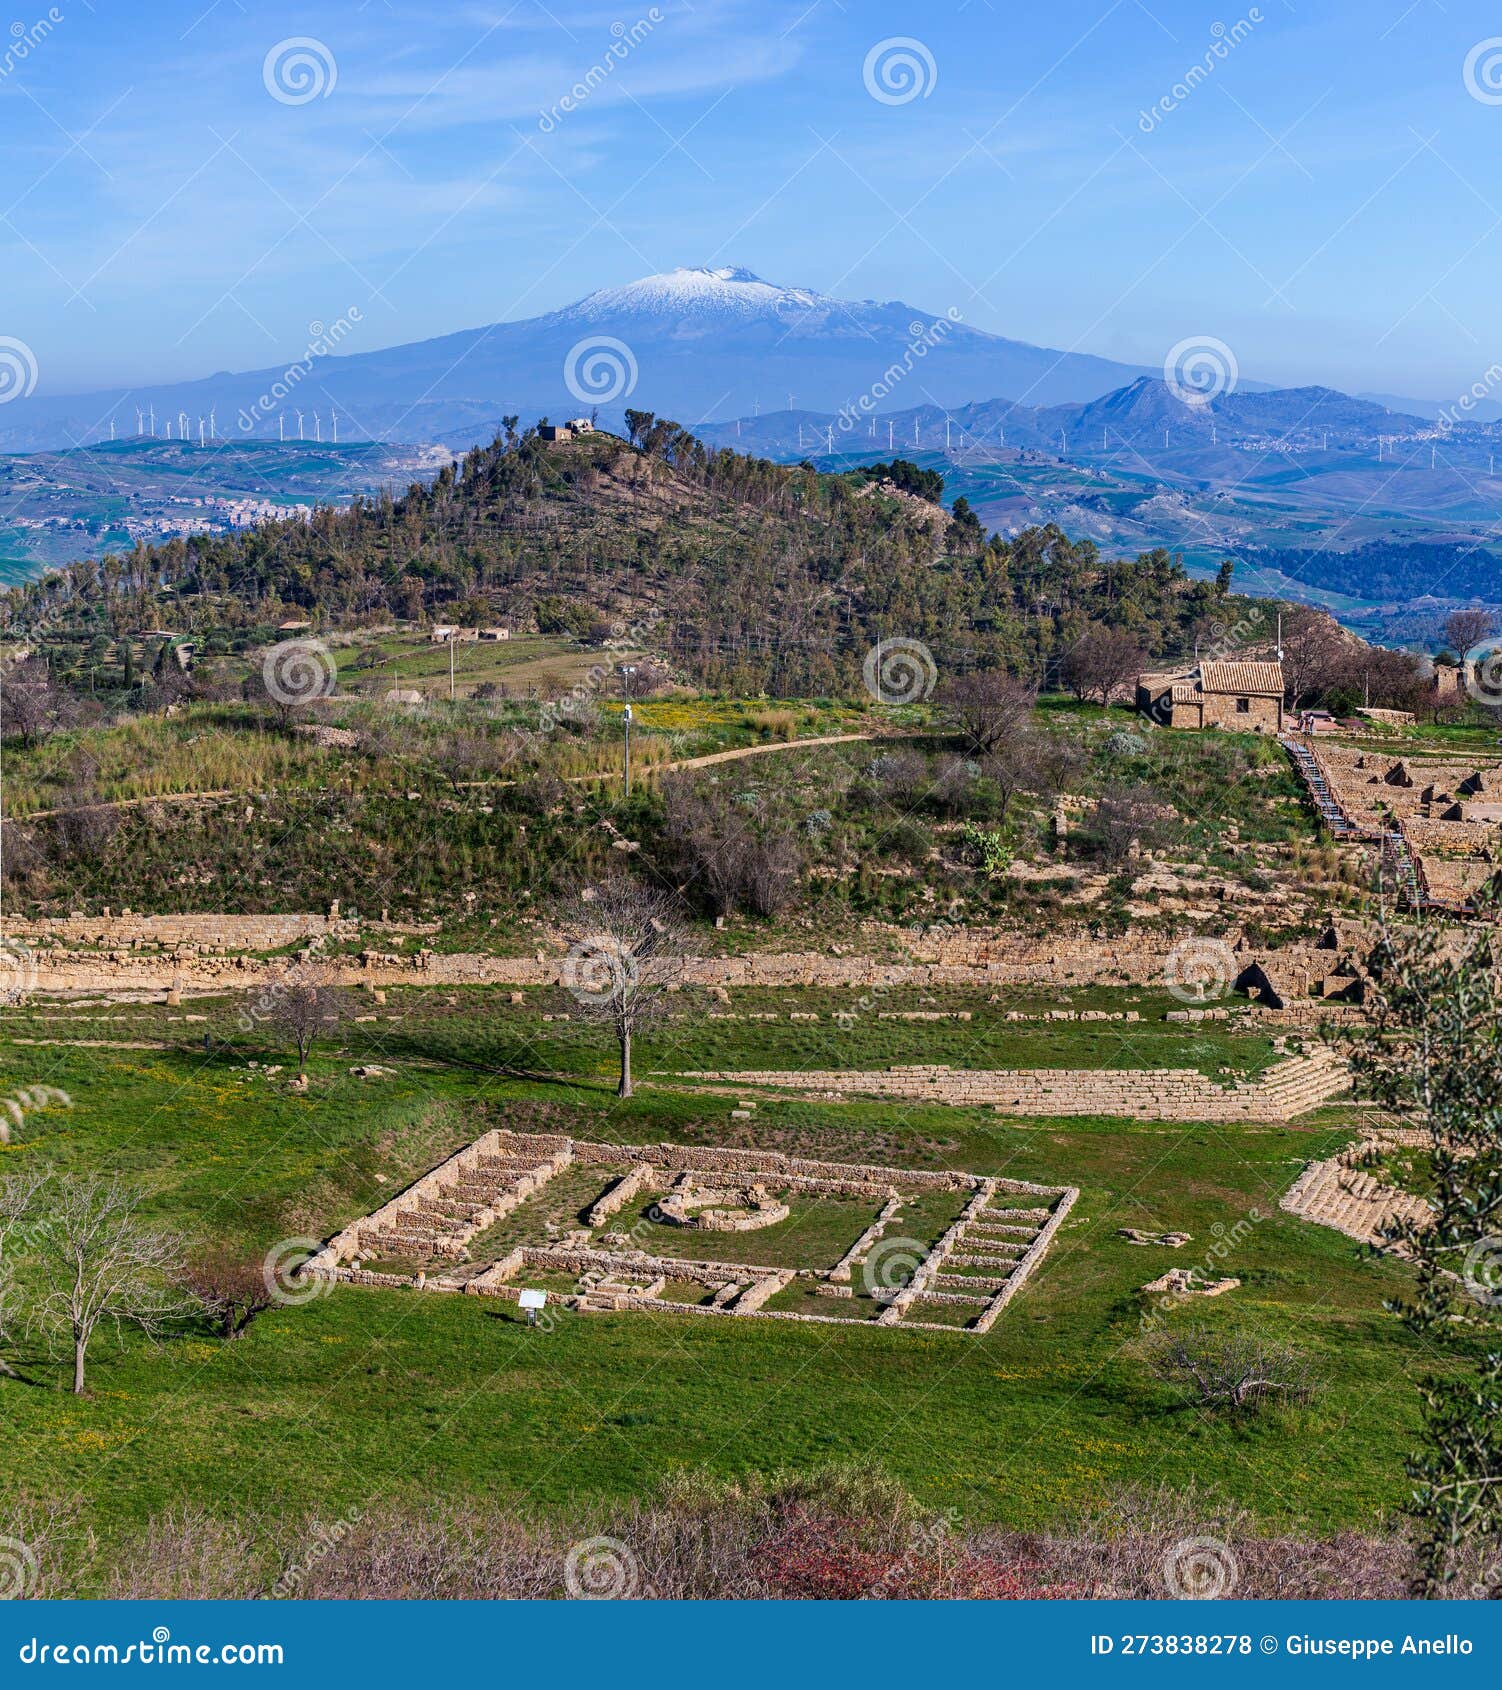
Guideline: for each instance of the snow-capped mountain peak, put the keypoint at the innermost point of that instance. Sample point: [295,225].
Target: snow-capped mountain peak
[699,298]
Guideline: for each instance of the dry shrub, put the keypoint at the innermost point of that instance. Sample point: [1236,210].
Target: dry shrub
[190,1555]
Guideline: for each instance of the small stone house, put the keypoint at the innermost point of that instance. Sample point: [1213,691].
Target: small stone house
[1243,697]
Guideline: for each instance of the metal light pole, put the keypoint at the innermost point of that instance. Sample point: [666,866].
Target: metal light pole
[626,723]
[451,667]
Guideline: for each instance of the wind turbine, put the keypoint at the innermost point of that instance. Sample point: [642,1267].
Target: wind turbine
[140,420]
[152,411]
[317,427]
[213,432]
[200,431]
[334,420]
[281,428]
[299,423]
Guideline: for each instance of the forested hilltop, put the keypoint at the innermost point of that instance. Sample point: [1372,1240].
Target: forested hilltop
[744,574]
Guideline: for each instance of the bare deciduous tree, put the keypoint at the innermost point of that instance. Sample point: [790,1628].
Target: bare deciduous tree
[229,1288]
[985,707]
[1121,818]
[1102,663]
[1315,652]
[1465,629]
[32,705]
[101,1264]
[306,1006]
[626,953]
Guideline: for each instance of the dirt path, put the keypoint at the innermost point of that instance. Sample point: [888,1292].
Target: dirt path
[471,785]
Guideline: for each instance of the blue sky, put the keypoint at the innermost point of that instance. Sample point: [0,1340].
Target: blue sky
[1326,199]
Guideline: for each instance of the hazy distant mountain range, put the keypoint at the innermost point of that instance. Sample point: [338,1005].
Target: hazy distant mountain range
[699,345]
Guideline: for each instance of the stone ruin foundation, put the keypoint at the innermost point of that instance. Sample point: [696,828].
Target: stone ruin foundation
[1001,1231]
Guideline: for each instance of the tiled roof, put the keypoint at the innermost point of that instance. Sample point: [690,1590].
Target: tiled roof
[1257,678]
